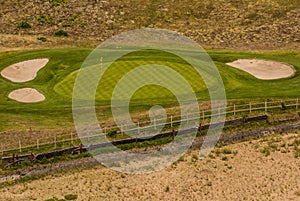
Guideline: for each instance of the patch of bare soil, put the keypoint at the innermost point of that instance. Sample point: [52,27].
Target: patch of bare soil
[262,169]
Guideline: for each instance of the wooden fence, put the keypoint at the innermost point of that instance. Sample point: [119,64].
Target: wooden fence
[141,127]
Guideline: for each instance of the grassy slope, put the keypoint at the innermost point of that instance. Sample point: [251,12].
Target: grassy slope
[56,110]
[247,24]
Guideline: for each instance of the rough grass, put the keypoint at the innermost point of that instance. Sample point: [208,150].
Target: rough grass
[257,24]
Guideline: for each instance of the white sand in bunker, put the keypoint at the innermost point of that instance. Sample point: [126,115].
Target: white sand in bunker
[24,71]
[264,69]
[26,95]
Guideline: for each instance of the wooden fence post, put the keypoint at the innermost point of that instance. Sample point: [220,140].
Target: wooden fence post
[200,128]
[138,127]
[80,148]
[266,106]
[173,134]
[250,107]
[20,146]
[72,137]
[171,121]
[154,123]
[37,144]
[233,109]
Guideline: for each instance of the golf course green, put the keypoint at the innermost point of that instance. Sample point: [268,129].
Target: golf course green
[56,80]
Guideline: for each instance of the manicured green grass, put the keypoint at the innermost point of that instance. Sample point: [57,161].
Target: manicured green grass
[56,110]
[241,85]
[56,81]
[129,62]
[238,84]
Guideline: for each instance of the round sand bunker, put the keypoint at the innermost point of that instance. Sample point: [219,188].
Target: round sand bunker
[26,95]
[263,69]
[24,71]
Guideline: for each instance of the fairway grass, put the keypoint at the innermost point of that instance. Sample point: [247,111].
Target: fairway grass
[56,81]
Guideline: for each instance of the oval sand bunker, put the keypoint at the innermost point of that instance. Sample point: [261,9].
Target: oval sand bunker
[26,95]
[24,71]
[263,69]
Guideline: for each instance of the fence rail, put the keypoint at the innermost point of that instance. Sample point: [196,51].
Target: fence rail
[156,125]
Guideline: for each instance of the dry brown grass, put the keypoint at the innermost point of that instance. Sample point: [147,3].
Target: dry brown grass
[247,24]
[236,172]
[10,42]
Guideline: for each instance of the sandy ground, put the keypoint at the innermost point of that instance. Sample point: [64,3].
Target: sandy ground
[24,71]
[26,95]
[247,173]
[263,69]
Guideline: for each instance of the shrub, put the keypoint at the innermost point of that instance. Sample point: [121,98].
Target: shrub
[24,25]
[51,199]
[217,152]
[82,24]
[297,150]
[74,18]
[211,156]
[45,19]
[112,133]
[71,197]
[224,158]
[60,33]
[194,158]
[273,146]
[283,106]
[66,25]
[266,151]
[43,39]
[57,2]
[55,199]
[227,151]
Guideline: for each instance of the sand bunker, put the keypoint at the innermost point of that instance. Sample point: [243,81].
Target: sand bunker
[26,95]
[24,71]
[263,69]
